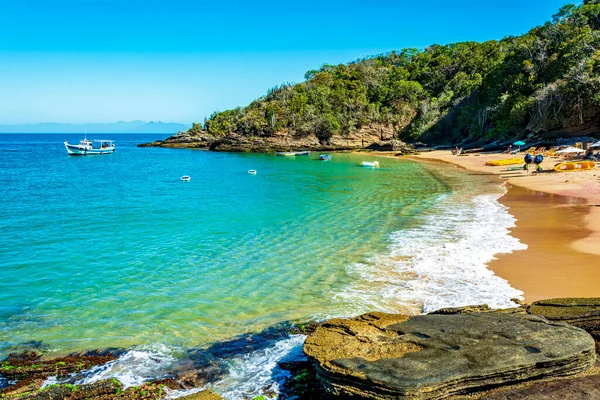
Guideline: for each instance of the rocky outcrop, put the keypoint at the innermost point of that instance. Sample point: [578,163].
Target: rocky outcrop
[484,308]
[583,313]
[393,145]
[30,365]
[183,139]
[373,137]
[580,388]
[382,356]
[203,395]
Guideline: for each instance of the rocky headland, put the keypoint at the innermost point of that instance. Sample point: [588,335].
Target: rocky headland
[371,137]
[546,350]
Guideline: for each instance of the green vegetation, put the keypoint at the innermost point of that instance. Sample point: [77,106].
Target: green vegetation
[543,80]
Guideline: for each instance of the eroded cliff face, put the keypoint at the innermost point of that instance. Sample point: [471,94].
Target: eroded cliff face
[374,136]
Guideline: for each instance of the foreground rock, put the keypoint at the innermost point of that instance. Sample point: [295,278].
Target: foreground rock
[30,365]
[582,313]
[384,356]
[203,395]
[581,388]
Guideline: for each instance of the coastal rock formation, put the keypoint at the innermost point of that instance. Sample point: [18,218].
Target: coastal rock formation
[373,137]
[203,395]
[383,356]
[583,313]
[182,139]
[580,388]
[30,365]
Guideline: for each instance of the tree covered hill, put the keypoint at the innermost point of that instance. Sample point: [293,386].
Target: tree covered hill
[546,79]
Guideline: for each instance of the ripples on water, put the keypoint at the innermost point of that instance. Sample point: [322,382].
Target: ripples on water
[117,251]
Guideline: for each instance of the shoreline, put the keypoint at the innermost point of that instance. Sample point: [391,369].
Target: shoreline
[548,208]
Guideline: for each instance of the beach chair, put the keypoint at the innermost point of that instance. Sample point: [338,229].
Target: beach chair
[550,153]
[540,150]
[531,150]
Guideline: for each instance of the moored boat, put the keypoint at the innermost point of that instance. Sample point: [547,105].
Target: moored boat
[374,164]
[302,153]
[185,178]
[90,148]
[574,166]
[325,157]
[252,171]
[285,153]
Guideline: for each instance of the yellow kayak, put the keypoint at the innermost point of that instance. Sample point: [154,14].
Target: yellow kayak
[510,161]
[574,166]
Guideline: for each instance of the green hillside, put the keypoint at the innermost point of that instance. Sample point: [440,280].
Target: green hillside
[543,80]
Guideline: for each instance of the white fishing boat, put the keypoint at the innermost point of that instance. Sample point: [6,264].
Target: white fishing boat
[90,148]
[252,171]
[185,178]
[369,164]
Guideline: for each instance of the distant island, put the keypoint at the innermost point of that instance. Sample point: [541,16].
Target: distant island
[543,84]
[111,127]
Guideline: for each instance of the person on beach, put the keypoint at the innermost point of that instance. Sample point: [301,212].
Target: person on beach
[508,150]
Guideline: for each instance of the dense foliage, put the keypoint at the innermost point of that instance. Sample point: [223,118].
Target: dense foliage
[545,79]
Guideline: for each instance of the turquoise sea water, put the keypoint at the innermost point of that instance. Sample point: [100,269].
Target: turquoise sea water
[116,251]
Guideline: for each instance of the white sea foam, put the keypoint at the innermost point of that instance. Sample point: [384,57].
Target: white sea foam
[441,263]
[255,373]
[134,367]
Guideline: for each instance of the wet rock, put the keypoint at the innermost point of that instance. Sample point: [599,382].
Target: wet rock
[30,365]
[203,395]
[583,313]
[97,390]
[302,382]
[383,356]
[581,388]
[22,386]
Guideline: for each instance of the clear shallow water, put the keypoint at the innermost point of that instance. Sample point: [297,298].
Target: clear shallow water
[117,251]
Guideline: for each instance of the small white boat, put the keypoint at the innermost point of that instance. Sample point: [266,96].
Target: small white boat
[185,178]
[325,157]
[374,164]
[252,171]
[88,148]
[302,153]
[285,154]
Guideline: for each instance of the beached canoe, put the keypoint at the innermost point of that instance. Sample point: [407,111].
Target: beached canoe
[574,166]
[509,161]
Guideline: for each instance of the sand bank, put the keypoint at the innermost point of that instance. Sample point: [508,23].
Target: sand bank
[558,217]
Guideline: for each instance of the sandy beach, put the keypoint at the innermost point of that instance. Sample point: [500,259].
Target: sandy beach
[558,217]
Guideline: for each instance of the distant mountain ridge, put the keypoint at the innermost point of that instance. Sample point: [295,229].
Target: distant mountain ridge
[111,127]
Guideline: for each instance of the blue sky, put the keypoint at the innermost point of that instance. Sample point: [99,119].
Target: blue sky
[178,60]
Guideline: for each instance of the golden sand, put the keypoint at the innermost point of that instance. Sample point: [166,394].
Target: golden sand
[558,217]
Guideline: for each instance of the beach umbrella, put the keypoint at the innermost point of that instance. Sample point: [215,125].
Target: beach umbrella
[570,149]
[597,144]
[519,143]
